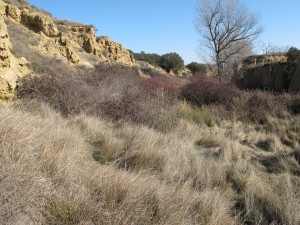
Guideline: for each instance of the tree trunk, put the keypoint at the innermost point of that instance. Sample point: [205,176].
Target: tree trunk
[219,68]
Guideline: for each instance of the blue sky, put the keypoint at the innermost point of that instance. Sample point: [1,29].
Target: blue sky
[163,26]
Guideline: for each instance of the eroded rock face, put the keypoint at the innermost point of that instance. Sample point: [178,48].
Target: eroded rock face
[68,45]
[5,61]
[11,68]
[5,45]
[295,81]
[39,22]
[13,12]
[114,51]
[258,60]
[271,72]
[102,47]
[273,76]
[75,43]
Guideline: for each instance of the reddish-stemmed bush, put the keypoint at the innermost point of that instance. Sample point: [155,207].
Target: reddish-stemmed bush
[202,90]
[155,84]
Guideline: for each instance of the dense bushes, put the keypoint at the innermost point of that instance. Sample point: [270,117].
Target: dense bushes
[203,90]
[231,103]
[115,92]
[169,62]
[258,106]
[197,68]
[66,93]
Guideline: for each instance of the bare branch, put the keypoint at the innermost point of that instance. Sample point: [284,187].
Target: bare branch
[227,28]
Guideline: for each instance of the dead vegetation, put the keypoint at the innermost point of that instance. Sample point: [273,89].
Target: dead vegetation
[105,146]
[119,149]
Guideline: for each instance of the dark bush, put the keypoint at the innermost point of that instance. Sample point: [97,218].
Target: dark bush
[171,61]
[202,90]
[293,54]
[66,93]
[197,68]
[72,90]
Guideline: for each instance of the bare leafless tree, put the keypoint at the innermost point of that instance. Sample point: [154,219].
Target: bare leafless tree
[268,48]
[226,28]
[241,50]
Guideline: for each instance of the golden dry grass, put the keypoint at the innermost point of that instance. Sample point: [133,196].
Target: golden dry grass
[87,170]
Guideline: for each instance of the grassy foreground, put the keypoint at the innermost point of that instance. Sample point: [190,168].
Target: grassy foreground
[111,149]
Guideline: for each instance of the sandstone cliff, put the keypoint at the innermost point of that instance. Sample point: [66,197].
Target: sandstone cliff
[270,72]
[11,68]
[76,44]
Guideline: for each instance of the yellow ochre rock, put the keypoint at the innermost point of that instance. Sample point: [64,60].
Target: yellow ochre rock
[39,22]
[11,68]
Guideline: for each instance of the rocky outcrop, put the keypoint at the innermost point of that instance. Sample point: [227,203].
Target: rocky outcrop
[273,76]
[148,70]
[68,45]
[13,12]
[114,51]
[184,72]
[258,60]
[39,23]
[102,47]
[5,45]
[270,72]
[11,68]
[72,42]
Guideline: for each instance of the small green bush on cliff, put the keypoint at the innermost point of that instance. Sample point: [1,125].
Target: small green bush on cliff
[293,54]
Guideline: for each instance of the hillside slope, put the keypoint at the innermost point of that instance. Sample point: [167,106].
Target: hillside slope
[27,31]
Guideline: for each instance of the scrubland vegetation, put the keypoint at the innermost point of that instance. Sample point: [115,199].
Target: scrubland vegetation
[104,146]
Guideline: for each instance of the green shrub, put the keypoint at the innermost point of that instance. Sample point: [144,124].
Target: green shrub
[151,58]
[197,68]
[293,54]
[171,61]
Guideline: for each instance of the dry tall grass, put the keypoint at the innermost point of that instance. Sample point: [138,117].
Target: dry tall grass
[86,170]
